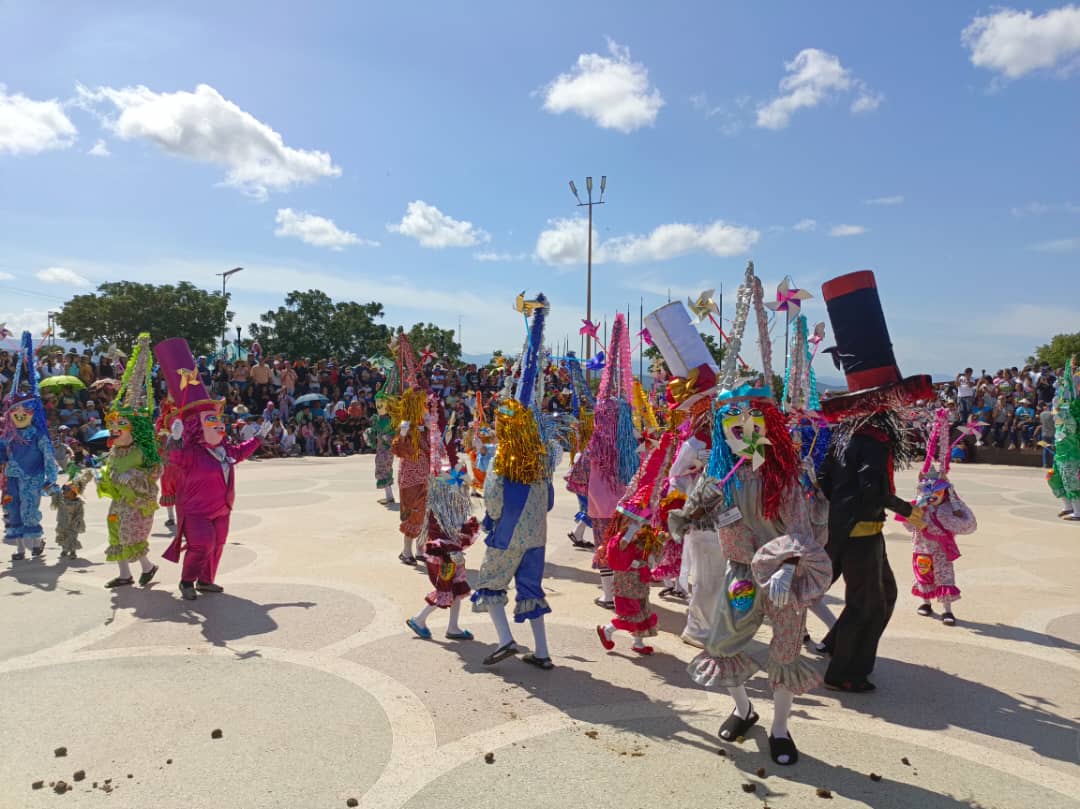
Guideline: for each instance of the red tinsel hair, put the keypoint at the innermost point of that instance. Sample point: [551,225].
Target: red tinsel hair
[781,465]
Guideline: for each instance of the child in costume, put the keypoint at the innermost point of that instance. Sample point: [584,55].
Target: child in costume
[776,568]
[934,547]
[412,447]
[206,473]
[517,496]
[1064,479]
[380,436]
[577,480]
[130,474]
[27,460]
[613,450]
[69,506]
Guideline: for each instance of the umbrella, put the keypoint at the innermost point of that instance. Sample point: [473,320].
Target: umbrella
[104,383]
[308,398]
[62,381]
[100,434]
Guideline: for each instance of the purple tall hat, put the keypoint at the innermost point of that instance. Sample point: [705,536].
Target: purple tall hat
[178,367]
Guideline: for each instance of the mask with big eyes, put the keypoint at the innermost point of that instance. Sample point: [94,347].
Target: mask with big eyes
[381,407]
[21,417]
[213,427]
[119,430]
[739,422]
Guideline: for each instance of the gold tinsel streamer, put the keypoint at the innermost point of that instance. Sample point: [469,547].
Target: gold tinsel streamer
[411,406]
[585,428]
[644,415]
[520,454]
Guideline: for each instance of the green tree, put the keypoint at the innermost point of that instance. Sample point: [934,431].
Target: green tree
[1059,349]
[120,310]
[441,341]
[312,325]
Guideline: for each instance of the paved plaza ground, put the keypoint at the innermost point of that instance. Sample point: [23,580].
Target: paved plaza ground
[322,695]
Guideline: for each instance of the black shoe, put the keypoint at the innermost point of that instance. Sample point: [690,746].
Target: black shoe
[187,590]
[925,609]
[860,687]
[948,619]
[783,747]
[406,560]
[119,581]
[18,556]
[607,605]
[37,550]
[208,587]
[735,726]
[148,576]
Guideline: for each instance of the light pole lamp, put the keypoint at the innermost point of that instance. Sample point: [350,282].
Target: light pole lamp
[225,318]
[588,282]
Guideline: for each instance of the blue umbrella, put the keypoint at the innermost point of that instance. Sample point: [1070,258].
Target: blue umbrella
[307,398]
[98,436]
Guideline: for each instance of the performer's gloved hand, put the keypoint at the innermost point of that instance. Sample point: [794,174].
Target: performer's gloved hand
[177,430]
[404,428]
[780,585]
[917,518]
[630,533]
[51,489]
[265,429]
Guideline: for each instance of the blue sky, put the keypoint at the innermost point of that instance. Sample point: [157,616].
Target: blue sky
[932,142]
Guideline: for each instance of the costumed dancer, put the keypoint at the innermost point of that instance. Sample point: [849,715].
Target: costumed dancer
[166,414]
[129,476]
[695,553]
[637,534]
[776,567]
[411,446]
[613,450]
[577,480]
[380,435]
[934,547]
[69,506]
[1064,479]
[481,448]
[206,479]
[869,441]
[517,496]
[451,529]
[27,460]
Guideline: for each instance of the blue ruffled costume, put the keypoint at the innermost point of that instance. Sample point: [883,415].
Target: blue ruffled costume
[29,468]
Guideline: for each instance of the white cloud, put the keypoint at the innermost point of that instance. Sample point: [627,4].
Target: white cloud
[805,225]
[731,122]
[1016,43]
[565,241]
[814,76]
[30,127]
[898,199]
[1035,321]
[847,230]
[432,228]
[206,127]
[612,91]
[317,231]
[6,276]
[31,320]
[494,256]
[1041,208]
[99,149]
[1057,246]
[61,275]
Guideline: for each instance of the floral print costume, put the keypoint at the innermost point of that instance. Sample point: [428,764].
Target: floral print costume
[133,489]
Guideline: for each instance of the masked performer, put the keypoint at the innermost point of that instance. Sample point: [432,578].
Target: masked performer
[205,462]
[1064,479]
[27,461]
[130,474]
[412,447]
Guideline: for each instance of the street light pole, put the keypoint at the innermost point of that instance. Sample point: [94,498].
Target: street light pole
[588,289]
[225,318]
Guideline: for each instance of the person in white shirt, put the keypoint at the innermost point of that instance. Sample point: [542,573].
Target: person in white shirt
[249,430]
[965,394]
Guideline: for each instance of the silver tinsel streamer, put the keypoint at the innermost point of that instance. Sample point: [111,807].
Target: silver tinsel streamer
[450,503]
[764,341]
[728,373]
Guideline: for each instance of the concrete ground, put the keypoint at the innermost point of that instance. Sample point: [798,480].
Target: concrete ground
[322,695]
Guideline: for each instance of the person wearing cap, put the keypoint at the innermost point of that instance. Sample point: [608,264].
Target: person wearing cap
[869,442]
[206,471]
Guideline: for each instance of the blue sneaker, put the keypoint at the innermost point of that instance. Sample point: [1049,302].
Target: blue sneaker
[421,631]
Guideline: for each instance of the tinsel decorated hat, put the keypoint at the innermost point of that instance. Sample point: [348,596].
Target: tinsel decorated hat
[181,374]
[581,394]
[135,396]
[864,351]
[24,382]
[410,375]
[613,446]
[685,353]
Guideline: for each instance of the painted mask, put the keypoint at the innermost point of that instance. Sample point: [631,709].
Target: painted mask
[21,417]
[119,427]
[744,431]
[381,407]
[213,428]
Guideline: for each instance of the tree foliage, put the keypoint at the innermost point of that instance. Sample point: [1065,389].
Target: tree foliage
[441,341]
[312,325]
[120,310]
[652,353]
[1059,349]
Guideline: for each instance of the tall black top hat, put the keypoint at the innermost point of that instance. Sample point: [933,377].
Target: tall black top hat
[864,351]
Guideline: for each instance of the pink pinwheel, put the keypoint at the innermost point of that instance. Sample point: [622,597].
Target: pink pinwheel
[589,329]
[972,428]
[788,299]
[427,355]
[818,335]
[5,332]
[646,337]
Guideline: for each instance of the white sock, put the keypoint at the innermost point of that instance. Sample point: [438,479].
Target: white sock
[502,626]
[422,616]
[609,631]
[172,514]
[639,643]
[742,701]
[20,545]
[782,699]
[684,565]
[389,492]
[420,542]
[125,570]
[607,583]
[540,647]
[455,611]
[579,531]
[144,563]
[946,605]
[406,546]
